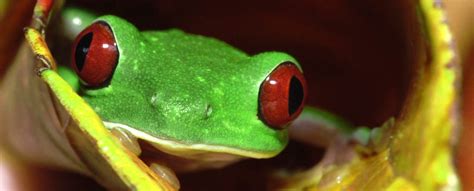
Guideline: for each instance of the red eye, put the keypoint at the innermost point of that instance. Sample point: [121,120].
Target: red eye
[282,95]
[95,54]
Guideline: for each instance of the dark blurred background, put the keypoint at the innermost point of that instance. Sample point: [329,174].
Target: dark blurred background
[354,53]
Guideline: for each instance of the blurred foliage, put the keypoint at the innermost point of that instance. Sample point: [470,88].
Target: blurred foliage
[416,152]
[460,15]
[3,8]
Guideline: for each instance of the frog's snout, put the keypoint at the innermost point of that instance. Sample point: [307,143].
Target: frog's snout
[282,95]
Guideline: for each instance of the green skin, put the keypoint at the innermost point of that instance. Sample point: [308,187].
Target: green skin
[189,94]
[188,90]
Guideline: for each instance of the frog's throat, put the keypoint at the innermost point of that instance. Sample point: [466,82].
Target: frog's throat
[188,150]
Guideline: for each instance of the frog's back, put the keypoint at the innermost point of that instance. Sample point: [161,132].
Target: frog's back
[194,47]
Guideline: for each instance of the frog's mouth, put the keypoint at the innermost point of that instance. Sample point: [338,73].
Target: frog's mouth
[191,151]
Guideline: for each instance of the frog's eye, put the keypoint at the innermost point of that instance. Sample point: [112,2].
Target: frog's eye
[95,54]
[282,95]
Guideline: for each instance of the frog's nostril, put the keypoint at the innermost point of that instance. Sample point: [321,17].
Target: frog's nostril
[296,95]
[154,100]
[208,111]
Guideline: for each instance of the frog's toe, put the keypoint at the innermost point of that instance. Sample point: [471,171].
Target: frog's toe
[166,174]
[127,139]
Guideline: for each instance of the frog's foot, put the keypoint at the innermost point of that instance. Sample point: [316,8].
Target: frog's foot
[166,174]
[373,140]
[319,128]
[127,140]
[131,143]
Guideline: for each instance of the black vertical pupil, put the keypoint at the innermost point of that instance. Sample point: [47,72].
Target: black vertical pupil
[295,95]
[82,49]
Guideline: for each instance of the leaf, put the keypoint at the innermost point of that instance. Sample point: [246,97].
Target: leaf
[416,153]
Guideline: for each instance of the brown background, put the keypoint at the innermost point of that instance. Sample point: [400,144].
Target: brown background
[353,53]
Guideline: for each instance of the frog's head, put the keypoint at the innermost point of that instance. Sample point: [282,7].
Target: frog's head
[187,94]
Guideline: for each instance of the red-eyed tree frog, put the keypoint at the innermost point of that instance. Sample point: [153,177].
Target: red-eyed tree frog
[192,97]
[188,95]
[193,102]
